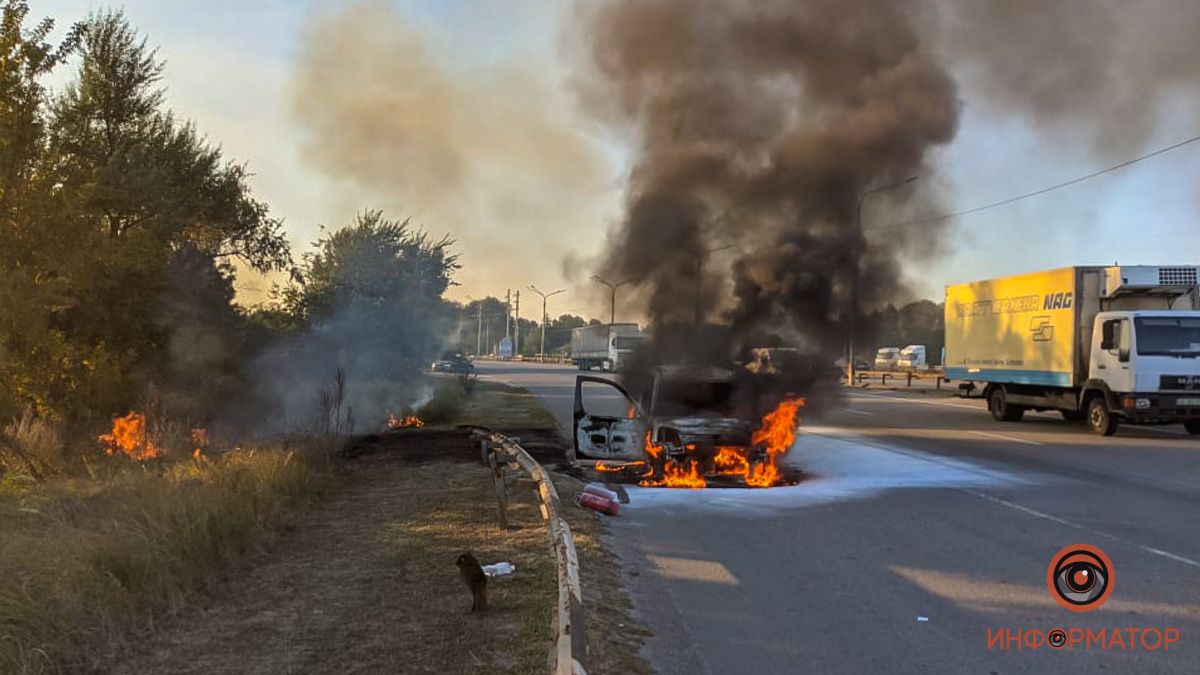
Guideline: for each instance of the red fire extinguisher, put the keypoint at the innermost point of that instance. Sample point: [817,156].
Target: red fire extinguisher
[599,503]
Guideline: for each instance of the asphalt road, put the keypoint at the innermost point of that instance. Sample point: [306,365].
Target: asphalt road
[925,526]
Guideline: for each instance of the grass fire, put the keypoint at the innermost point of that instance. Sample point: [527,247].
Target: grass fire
[129,437]
[405,422]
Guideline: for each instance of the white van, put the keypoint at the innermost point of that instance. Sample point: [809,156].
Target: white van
[886,358]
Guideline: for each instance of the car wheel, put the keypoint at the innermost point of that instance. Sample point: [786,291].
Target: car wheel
[1192,426]
[1100,420]
[1002,410]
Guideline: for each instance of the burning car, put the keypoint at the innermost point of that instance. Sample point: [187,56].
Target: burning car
[691,424]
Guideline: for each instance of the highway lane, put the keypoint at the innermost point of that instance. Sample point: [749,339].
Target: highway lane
[917,506]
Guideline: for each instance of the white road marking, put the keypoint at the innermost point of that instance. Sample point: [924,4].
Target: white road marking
[1062,521]
[857,412]
[1172,556]
[1004,438]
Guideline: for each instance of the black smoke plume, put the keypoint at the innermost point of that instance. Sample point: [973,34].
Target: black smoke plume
[759,126]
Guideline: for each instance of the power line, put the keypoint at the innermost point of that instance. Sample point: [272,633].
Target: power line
[1059,186]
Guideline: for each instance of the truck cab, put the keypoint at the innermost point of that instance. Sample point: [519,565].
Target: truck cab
[886,358]
[911,357]
[1144,368]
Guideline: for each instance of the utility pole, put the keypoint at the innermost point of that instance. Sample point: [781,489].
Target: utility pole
[699,268]
[517,325]
[545,296]
[612,309]
[854,272]
[507,310]
[479,331]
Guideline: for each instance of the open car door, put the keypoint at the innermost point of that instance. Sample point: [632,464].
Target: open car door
[608,436]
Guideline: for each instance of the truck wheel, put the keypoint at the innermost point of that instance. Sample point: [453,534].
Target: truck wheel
[1002,410]
[1099,419]
[1192,426]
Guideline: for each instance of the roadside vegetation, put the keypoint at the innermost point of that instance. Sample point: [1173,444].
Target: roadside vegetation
[93,560]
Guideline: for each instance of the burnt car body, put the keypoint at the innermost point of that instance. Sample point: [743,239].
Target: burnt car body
[689,413]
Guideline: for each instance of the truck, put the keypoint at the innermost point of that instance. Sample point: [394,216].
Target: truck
[912,357]
[1109,345]
[605,346]
[886,358]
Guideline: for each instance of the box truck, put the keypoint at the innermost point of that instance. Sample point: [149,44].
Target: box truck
[1108,345]
[604,347]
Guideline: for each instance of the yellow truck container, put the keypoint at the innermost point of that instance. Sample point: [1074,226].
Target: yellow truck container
[1106,344]
[1024,329]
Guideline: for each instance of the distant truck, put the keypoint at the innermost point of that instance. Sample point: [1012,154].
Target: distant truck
[604,347]
[1108,345]
[912,357]
[886,358]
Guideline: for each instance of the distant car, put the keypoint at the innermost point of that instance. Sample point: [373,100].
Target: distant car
[453,362]
[886,358]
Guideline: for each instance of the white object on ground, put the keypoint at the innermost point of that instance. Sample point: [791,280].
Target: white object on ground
[499,569]
[922,619]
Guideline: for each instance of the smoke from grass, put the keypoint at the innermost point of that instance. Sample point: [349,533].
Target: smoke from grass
[481,147]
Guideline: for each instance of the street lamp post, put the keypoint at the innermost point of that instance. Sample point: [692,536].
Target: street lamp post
[699,268]
[854,273]
[612,309]
[545,296]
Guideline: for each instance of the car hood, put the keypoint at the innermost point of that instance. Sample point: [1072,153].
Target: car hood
[729,429]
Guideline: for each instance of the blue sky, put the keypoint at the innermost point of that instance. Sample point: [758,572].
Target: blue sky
[231,68]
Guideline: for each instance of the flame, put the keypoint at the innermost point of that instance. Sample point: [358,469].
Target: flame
[615,468]
[631,413]
[129,436]
[674,475]
[775,435]
[196,454]
[731,461]
[394,422]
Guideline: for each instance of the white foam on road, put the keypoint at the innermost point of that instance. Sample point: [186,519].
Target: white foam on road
[841,466]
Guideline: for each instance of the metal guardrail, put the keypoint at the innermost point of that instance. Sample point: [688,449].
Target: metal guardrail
[863,376]
[500,452]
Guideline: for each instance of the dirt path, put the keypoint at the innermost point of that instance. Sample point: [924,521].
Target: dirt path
[367,583]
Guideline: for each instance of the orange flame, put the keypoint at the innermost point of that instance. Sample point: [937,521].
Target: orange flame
[394,422]
[731,461]
[674,475]
[615,468]
[631,413]
[200,440]
[776,434]
[129,436]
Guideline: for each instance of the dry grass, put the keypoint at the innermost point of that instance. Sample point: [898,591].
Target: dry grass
[369,585]
[500,406]
[90,562]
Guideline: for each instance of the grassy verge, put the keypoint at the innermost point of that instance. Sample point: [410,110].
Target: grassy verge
[91,562]
[368,584]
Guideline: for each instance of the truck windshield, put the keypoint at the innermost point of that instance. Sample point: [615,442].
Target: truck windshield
[627,342]
[692,398]
[1168,336]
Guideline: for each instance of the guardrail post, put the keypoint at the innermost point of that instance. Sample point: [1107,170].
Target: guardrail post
[884,378]
[501,490]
